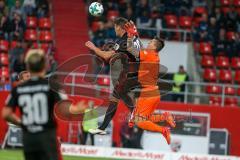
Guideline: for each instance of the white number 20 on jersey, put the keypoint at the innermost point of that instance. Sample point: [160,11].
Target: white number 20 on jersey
[35,108]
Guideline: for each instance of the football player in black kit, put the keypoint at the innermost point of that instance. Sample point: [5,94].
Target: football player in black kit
[119,58]
[36,101]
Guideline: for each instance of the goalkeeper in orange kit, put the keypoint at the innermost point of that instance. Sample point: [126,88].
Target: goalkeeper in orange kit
[149,97]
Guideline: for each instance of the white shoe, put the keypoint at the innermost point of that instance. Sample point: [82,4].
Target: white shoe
[97,131]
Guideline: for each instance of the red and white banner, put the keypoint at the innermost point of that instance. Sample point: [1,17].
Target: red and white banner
[122,153]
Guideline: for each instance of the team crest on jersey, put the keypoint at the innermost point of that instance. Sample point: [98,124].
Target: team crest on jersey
[116,46]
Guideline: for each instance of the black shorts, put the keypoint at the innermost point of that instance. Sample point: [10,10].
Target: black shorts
[41,146]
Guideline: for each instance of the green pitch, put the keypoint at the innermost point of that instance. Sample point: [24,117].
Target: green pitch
[18,155]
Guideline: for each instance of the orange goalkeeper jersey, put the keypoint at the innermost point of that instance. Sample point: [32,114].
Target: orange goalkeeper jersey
[148,68]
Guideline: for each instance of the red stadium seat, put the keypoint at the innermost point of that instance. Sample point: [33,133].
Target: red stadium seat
[222,62]
[205,48]
[31,22]
[237,10]
[34,45]
[31,35]
[44,23]
[225,10]
[207,61]
[95,26]
[213,100]
[238,91]
[235,63]
[236,3]
[237,76]
[171,21]
[4,59]
[112,14]
[229,90]
[3,45]
[13,44]
[44,46]
[45,36]
[231,35]
[225,2]
[200,10]
[185,22]
[225,75]
[210,75]
[214,89]
[231,101]
[103,81]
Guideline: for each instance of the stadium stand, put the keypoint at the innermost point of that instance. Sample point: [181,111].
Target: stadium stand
[23,28]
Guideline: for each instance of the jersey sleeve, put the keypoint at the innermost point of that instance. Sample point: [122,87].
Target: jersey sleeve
[11,100]
[134,46]
[59,96]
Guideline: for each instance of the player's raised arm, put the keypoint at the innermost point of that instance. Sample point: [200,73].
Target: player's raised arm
[134,44]
[104,54]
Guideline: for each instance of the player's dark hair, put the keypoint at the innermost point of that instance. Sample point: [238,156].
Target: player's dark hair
[160,43]
[36,62]
[120,21]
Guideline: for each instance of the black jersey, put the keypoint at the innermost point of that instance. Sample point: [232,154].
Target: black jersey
[121,46]
[36,101]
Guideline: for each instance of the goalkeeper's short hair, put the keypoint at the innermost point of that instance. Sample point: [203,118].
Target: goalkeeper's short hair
[35,60]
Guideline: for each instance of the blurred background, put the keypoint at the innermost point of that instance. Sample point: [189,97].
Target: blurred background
[202,57]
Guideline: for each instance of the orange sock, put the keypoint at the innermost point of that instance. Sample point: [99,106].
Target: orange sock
[150,126]
[157,118]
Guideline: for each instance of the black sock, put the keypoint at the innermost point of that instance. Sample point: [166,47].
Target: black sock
[112,108]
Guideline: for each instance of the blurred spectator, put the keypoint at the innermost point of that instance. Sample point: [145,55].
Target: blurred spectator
[17,8]
[3,9]
[19,65]
[144,21]
[171,7]
[233,47]
[111,5]
[199,3]
[100,35]
[129,14]
[184,7]
[213,29]
[142,9]
[131,137]
[42,8]
[17,26]
[11,3]
[4,27]
[231,19]
[29,7]
[15,54]
[122,6]
[178,89]
[220,43]
[52,64]
[201,33]
[110,32]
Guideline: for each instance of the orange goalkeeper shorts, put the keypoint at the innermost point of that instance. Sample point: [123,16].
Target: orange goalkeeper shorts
[145,105]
